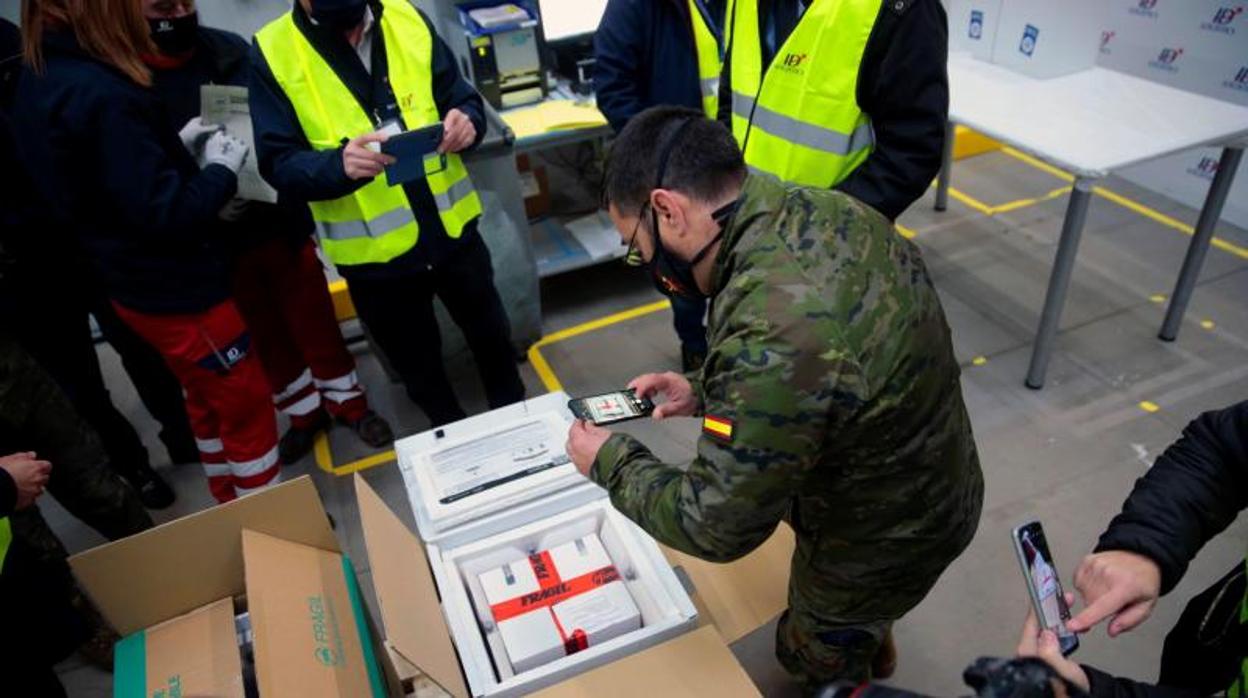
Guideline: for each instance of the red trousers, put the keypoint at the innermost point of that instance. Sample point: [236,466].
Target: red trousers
[280,290]
[227,396]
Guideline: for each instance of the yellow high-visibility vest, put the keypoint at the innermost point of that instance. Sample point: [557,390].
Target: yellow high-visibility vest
[375,223]
[6,537]
[798,119]
[710,60]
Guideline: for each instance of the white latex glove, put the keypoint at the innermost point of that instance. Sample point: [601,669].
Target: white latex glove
[224,149]
[194,133]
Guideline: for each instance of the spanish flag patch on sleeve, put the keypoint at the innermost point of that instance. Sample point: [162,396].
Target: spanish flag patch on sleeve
[717,428]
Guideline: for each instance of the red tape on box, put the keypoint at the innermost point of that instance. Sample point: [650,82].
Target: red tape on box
[555,590]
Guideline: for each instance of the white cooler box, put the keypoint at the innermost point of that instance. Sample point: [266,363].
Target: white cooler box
[540,577]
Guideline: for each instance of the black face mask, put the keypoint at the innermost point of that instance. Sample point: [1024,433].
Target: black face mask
[174,36]
[673,276]
[342,15]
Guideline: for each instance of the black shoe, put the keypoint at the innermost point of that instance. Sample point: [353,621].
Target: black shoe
[691,360]
[372,430]
[297,443]
[153,491]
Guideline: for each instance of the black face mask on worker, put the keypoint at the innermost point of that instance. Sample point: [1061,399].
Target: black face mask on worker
[673,276]
[342,15]
[174,36]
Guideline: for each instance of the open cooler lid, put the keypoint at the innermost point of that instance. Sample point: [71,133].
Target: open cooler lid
[507,460]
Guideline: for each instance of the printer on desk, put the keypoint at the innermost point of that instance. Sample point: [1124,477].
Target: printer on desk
[503,44]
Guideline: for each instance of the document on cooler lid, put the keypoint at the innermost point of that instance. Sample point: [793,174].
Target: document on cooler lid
[479,464]
[227,105]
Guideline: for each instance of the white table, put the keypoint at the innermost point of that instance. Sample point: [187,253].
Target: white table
[1089,124]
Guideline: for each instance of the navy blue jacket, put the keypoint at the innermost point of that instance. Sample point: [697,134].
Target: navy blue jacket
[221,58]
[288,162]
[100,151]
[903,86]
[646,56]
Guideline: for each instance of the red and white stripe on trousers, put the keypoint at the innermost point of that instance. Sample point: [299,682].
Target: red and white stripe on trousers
[229,479]
[300,398]
[342,389]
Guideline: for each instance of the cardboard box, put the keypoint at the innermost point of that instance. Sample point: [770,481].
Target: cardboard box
[512,509]
[1049,38]
[195,654]
[973,26]
[557,602]
[183,565]
[311,631]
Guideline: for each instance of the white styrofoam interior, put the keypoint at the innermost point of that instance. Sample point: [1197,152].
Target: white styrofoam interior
[665,607]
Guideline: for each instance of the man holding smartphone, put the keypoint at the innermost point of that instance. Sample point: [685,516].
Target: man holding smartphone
[329,80]
[830,398]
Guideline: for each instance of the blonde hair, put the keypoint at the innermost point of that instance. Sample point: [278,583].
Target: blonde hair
[113,32]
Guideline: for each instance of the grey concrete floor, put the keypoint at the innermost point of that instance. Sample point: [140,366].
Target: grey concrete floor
[1067,454]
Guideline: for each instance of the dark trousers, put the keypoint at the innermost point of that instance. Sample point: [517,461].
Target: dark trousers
[58,335]
[688,315]
[398,312]
[42,627]
[36,416]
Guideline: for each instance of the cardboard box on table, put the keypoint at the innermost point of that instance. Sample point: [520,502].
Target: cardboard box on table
[291,553]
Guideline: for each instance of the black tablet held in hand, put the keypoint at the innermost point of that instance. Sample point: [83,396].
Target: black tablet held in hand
[410,150]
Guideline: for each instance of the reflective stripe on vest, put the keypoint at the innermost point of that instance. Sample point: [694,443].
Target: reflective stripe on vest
[375,223]
[6,537]
[710,59]
[799,120]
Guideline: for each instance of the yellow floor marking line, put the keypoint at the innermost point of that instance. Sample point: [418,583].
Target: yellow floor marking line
[1208,324]
[1129,204]
[1158,298]
[321,447]
[907,233]
[1149,407]
[979,361]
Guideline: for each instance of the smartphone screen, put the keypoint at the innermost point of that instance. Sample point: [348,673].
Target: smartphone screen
[1047,596]
[613,407]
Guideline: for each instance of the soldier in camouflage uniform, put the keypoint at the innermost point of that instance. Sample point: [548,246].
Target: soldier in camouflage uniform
[830,395]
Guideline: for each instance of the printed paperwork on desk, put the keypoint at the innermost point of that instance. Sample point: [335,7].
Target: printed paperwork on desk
[227,105]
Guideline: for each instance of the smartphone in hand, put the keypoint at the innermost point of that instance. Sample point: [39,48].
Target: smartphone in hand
[1048,599]
[610,408]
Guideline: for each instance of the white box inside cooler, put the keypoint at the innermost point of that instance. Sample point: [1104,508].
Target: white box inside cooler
[509,517]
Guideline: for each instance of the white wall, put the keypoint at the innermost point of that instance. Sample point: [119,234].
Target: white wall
[1196,45]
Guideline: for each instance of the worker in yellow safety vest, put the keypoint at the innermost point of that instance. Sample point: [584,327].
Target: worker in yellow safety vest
[669,53]
[331,79]
[845,94]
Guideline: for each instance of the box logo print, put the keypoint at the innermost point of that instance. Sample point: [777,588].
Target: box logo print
[1106,38]
[1205,169]
[1239,81]
[1145,8]
[1223,20]
[325,632]
[1167,60]
[976,30]
[1027,46]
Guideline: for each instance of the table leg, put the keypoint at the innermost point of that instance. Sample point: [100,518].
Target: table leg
[946,168]
[1199,246]
[1059,281]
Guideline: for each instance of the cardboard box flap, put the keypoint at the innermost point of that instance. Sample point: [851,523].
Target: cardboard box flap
[694,664]
[175,568]
[410,611]
[193,655]
[312,635]
[743,595]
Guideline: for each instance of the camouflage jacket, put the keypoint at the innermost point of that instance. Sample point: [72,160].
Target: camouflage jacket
[831,395]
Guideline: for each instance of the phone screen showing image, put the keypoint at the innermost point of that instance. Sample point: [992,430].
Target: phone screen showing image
[1047,594]
[611,407]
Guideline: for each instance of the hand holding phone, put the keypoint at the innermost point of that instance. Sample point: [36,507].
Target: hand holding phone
[1043,584]
[611,408]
